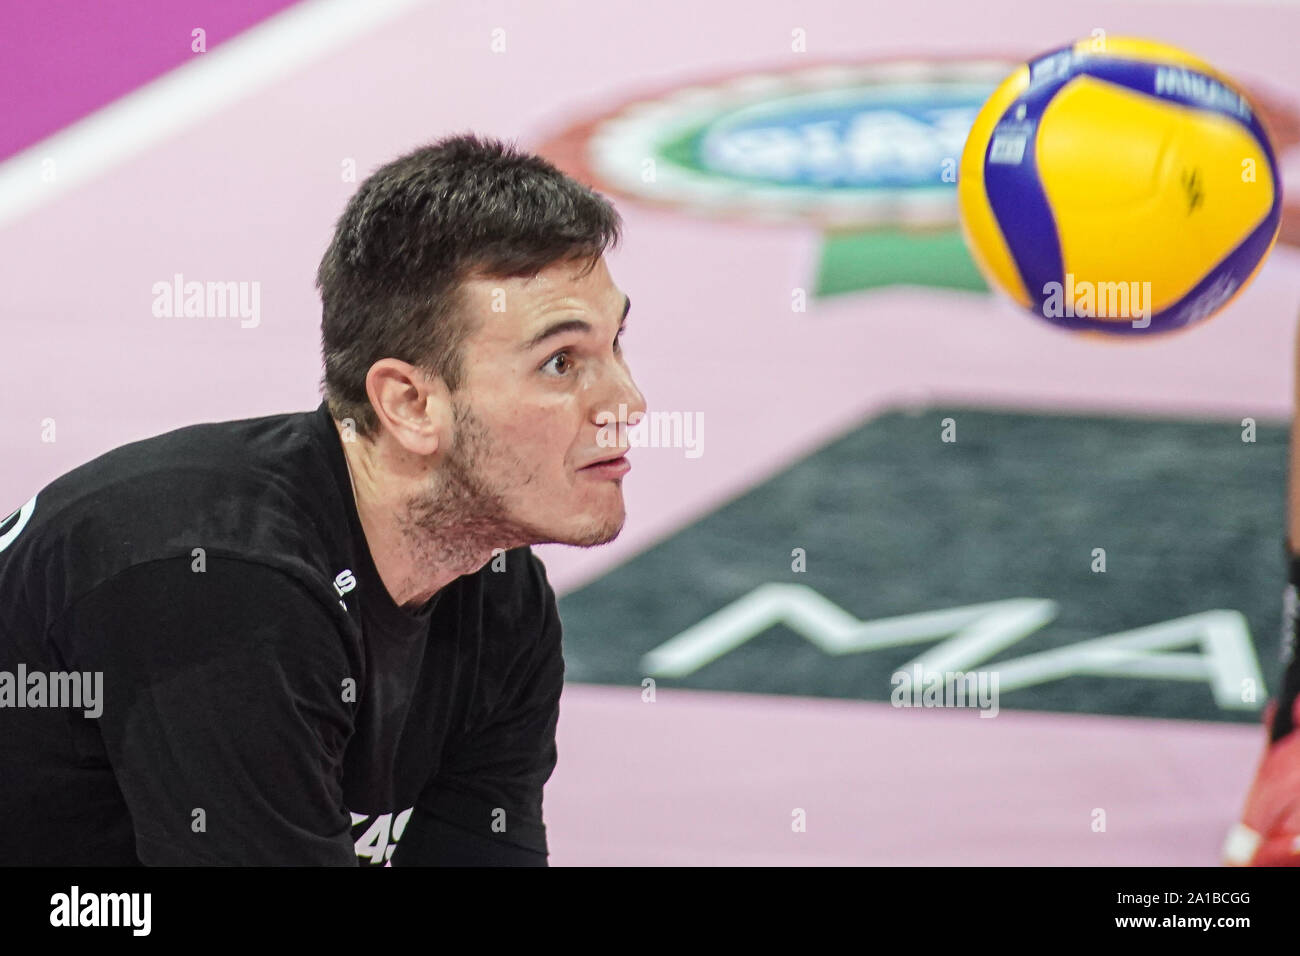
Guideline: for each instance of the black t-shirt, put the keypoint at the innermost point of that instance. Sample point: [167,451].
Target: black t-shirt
[261,699]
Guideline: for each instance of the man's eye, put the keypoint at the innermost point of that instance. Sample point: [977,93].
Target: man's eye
[559,363]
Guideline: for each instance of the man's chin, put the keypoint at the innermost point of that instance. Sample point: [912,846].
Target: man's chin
[603,536]
[590,535]
[596,536]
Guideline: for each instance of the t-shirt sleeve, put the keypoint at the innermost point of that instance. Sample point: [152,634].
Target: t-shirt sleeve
[224,716]
[484,805]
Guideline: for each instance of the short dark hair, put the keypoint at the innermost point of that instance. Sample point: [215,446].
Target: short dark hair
[391,279]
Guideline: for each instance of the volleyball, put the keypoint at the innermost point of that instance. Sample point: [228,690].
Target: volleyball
[1119,186]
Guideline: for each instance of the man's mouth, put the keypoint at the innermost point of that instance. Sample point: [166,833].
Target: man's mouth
[613,467]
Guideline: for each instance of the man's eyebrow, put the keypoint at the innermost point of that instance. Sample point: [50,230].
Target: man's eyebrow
[557,328]
[569,325]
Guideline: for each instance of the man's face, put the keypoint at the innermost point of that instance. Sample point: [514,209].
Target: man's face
[544,379]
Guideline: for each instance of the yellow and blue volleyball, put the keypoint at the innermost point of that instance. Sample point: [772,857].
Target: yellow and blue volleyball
[1121,186]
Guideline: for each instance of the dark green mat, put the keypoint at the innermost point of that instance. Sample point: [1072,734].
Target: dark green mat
[895,522]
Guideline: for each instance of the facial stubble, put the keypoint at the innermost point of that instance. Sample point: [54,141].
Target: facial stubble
[464,514]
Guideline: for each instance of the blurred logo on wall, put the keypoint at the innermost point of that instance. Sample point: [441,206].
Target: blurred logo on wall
[867,153]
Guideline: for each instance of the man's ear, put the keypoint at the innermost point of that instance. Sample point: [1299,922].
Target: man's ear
[413,407]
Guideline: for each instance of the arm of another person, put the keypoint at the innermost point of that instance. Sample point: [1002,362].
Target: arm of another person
[1268,833]
[484,805]
[1293,462]
[223,715]
[1283,717]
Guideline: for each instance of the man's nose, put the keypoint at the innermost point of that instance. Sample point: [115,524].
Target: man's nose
[622,402]
[634,400]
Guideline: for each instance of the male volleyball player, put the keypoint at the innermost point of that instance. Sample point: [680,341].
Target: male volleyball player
[321,638]
[1269,831]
